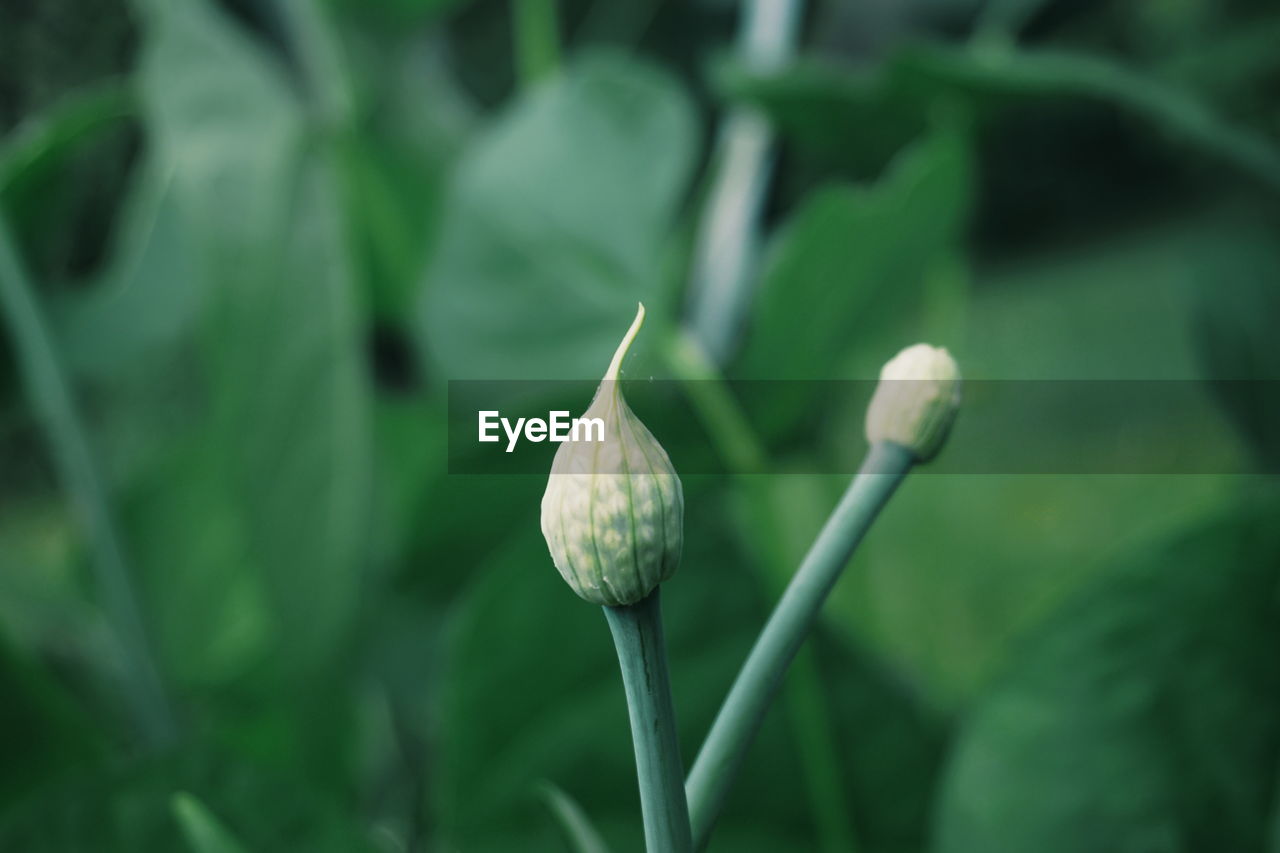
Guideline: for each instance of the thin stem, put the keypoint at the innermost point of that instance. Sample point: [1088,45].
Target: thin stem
[743,452]
[50,394]
[537,39]
[806,703]
[722,417]
[642,655]
[744,709]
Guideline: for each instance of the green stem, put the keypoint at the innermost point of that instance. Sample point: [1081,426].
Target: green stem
[721,416]
[642,655]
[744,709]
[537,39]
[50,393]
[743,452]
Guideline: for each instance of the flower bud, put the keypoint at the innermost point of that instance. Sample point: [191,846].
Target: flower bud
[916,401]
[613,511]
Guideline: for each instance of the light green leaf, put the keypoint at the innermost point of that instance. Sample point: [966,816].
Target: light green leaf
[577,827]
[556,223]
[290,395]
[201,828]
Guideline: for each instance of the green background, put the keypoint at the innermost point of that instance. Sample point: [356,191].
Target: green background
[262,237]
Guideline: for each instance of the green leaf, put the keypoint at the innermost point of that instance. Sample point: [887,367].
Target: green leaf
[852,262]
[38,145]
[201,828]
[556,223]
[1011,77]
[129,807]
[824,105]
[42,731]
[210,609]
[582,836]
[1235,283]
[223,117]
[849,120]
[290,396]
[147,300]
[1144,715]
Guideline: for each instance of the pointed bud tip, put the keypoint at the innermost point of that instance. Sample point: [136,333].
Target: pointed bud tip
[613,512]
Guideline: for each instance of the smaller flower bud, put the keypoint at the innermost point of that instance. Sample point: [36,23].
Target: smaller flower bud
[916,400]
[613,511]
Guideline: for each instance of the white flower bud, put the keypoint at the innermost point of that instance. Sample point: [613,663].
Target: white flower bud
[613,511]
[916,400]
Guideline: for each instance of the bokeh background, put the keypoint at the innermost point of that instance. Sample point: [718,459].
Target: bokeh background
[246,245]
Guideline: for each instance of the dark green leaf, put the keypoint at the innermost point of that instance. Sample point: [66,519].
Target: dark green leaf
[128,808]
[1144,716]
[1238,301]
[852,262]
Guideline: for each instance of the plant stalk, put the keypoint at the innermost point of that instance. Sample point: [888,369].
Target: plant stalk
[642,655]
[794,617]
[51,397]
[721,274]
[744,453]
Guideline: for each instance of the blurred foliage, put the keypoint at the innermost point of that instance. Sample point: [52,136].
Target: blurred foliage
[264,236]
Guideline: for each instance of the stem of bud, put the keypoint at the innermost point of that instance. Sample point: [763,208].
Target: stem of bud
[758,682]
[642,655]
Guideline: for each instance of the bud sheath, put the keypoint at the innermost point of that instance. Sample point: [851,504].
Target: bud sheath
[613,510]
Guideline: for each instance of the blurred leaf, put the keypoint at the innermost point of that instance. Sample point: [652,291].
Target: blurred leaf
[36,147]
[128,808]
[846,119]
[42,732]
[394,199]
[397,16]
[53,400]
[210,612]
[290,394]
[1012,76]
[1144,715]
[851,261]
[582,836]
[1238,301]
[225,120]
[43,600]
[148,298]
[823,105]
[556,222]
[203,831]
